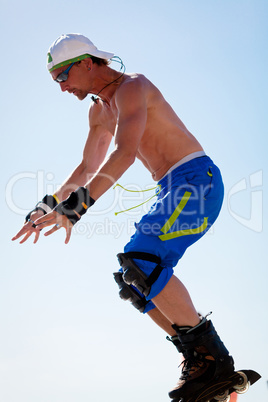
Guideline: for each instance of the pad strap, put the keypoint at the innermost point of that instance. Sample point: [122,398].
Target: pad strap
[48,203]
[75,205]
[140,255]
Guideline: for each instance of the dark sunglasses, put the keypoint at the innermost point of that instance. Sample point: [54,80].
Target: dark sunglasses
[62,77]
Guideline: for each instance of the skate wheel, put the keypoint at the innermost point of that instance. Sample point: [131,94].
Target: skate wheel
[242,390]
[243,385]
[223,397]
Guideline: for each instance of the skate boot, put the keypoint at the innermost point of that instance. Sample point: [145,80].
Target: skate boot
[205,359]
[176,342]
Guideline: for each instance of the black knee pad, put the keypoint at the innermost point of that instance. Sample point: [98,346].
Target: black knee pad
[127,292]
[133,275]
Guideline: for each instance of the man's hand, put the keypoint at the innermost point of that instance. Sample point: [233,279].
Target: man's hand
[65,214]
[58,220]
[28,228]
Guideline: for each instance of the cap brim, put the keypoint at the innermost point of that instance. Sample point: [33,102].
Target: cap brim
[97,53]
[69,61]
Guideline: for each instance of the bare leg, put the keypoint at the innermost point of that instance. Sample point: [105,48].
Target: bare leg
[161,321]
[174,302]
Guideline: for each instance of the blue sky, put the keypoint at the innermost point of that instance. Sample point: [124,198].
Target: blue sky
[65,335]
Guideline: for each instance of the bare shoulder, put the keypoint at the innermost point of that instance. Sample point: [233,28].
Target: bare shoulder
[135,88]
[94,113]
[133,82]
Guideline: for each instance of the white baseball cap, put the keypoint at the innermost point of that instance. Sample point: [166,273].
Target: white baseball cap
[71,48]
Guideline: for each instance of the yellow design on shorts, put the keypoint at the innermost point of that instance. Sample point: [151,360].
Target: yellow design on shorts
[174,216]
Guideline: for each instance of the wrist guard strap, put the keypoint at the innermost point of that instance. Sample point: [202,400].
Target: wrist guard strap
[78,202]
[48,203]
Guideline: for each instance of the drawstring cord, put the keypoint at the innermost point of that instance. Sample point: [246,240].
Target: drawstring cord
[138,191]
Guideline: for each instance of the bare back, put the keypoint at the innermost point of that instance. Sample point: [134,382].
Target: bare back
[165,139]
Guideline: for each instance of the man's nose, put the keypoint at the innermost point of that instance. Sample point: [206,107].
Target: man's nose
[63,86]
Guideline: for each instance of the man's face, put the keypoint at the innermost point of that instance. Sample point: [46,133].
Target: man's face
[71,78]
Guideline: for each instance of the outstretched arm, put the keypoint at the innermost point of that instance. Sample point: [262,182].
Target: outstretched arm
[131,123]
[132,116]
[93,155]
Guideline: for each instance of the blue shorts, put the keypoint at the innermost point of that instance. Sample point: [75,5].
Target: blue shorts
[188,202]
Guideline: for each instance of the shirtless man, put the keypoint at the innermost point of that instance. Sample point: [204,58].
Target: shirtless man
[131,109]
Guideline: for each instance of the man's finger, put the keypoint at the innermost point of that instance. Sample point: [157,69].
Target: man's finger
[54,229]
[45,225]
[37,234]
[45,218]
[68,234]
[24,230]
[26,237]
[17,236]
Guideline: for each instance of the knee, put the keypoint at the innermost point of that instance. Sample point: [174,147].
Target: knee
[138,284]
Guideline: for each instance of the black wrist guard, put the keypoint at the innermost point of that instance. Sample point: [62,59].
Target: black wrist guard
[78,202]
[46,205]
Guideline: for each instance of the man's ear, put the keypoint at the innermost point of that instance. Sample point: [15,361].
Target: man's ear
[88,63]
